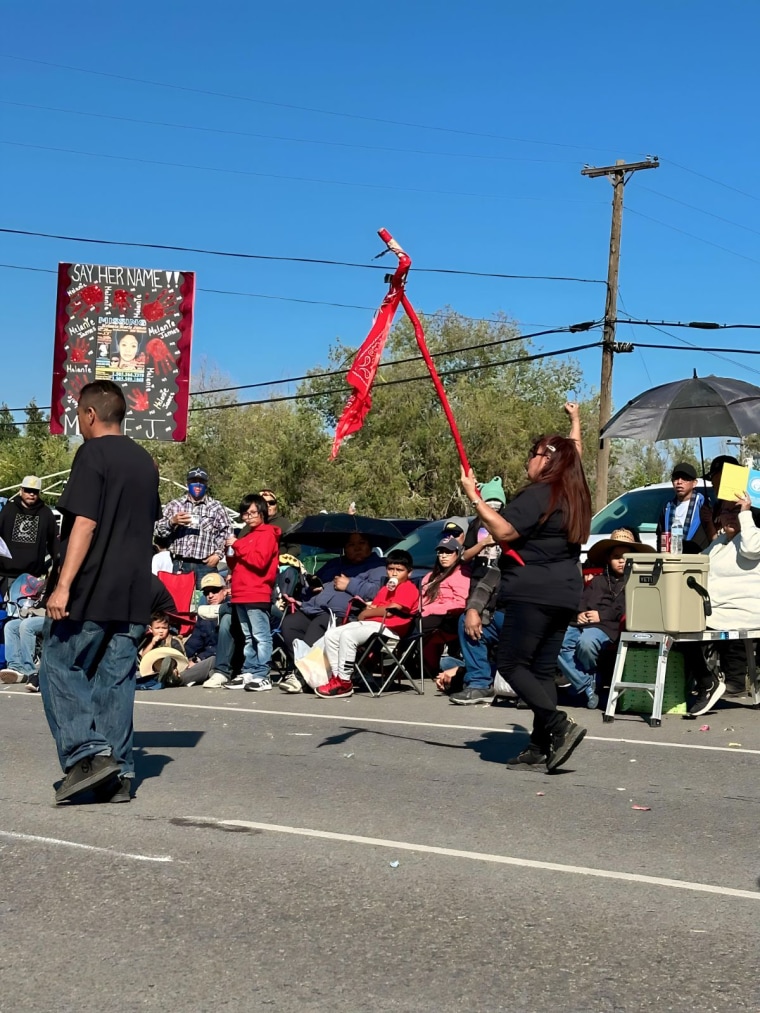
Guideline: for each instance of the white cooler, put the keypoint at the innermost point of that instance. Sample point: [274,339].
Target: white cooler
[666,593]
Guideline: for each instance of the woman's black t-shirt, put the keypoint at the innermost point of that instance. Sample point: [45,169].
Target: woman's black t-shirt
[552,573]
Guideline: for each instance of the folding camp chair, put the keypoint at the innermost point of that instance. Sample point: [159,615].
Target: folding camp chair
[383,659]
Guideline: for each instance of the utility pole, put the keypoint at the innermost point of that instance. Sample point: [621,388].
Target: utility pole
[617,176]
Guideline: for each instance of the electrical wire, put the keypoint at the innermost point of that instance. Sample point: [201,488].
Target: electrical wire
[294,140]
[694,207]
[711,179]
[298,108]
[297,260]
[224,170]
[683,232]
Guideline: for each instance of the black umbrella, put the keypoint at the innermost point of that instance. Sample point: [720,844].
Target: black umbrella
[689,409]
[330,531]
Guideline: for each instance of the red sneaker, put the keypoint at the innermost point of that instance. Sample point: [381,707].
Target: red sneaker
[336,687]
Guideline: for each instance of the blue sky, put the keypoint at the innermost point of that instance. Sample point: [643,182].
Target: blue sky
[503,105]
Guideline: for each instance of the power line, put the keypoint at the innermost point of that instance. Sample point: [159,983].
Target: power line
[572,329]
[296,260]
[691,235]
[711,179]
[295,140]
[290,179]
[700,325]
[298,108]
[703,211]
[403,379]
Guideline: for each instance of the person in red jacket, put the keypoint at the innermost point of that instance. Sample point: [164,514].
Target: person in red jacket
[253,560]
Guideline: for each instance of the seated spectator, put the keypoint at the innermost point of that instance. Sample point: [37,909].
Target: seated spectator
[686,506]
[479,631]
[601,611]
[733,584]
[358,572]
[253,566]
[480,548]
[444,595]
[159,655]
[211,645]
[391,609]
[22,638]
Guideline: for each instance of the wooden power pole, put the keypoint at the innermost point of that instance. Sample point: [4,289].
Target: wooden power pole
[617,176]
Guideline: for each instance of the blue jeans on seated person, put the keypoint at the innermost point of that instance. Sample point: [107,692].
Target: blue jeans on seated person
[579,655]
[21,644]
[87,681]
[478,669]
[258,641]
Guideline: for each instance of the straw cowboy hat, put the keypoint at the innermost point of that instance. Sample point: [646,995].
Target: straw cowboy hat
[597,554]
[158,654]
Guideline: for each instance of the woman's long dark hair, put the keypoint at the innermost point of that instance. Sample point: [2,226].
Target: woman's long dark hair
[437,576]
[570,493]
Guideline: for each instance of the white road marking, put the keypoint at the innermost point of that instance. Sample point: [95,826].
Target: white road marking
[85,847]
[348,718]
[505,730]
[480,856]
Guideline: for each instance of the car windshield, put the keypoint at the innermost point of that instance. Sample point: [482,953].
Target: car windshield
[638,509]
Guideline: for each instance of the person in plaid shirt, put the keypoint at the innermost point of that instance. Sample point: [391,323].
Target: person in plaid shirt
[196,527]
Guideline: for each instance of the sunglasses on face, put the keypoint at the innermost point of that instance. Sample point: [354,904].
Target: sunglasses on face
[32,492]
[446,552]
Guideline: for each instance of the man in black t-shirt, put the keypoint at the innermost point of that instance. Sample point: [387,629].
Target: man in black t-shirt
[100,600]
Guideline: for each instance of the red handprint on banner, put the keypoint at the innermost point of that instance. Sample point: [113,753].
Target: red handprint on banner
[76,382]
[164,362]
[80,350]
[165,302]
[138,401]
[124,301]
[85,300]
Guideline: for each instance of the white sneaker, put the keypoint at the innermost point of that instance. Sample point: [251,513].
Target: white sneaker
[291,684]
[259,685]
[216,680]
[9,677]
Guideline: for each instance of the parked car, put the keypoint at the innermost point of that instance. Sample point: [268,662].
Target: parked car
[423,540]
[637,509]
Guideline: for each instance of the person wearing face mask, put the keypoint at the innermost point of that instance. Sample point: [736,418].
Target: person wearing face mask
[196,528]
[733,583]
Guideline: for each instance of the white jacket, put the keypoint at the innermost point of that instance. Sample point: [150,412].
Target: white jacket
[734,578]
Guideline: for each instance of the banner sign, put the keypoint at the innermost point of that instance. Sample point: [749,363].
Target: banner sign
[130,325]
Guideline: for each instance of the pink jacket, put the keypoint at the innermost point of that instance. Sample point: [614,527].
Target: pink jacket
[452,594]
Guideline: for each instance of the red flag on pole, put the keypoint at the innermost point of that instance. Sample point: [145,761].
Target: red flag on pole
[362,373]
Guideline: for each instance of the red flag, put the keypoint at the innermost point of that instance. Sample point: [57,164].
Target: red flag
[361,375]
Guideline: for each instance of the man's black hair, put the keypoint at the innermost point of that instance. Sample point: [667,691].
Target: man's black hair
[107,398]
[400,556]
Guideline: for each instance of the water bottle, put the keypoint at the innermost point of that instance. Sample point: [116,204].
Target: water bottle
[676,538]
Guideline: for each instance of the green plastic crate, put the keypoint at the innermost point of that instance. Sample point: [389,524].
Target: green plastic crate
[641,666]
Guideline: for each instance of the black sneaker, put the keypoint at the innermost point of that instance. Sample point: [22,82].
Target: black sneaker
[116,791]
[89,773]
[530,757]
[564,741]
[472,695]
[707,697]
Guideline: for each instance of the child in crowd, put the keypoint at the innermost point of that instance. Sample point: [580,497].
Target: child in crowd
[444,596]
[164,668]
[392,608]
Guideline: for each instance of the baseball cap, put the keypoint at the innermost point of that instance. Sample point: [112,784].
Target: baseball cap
[450,544]
[197,475]
[685,471]
[212,580]
[717,464]
[452,529]
[32,482]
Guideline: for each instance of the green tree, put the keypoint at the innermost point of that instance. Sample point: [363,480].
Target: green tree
[8,428]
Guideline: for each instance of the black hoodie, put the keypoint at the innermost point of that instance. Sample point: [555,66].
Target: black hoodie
[31,534]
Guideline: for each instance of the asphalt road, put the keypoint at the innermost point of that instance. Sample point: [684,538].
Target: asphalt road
[289,853]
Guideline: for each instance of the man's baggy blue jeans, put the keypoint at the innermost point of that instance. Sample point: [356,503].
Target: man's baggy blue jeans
[87,681]
[478,669]
[579,656]
[258,641]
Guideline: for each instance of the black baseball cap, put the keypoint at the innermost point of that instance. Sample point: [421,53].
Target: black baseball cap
[717,463]
[685,471]
[197,475]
